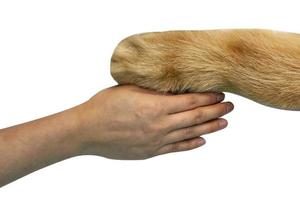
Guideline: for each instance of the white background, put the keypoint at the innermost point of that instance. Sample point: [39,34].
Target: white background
[56,54]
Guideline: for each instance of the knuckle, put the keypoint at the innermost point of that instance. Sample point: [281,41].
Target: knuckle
[188,146]
[159,107]
[143,111]
[196,143]
[188,132]
[213,98]
[156,128]
[192,100]
[199,115]
[156,142]
[145,129]
[148,111]
[174,147]
[152,128]
[163,124]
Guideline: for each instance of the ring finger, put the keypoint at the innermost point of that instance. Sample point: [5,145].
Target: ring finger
[195,131]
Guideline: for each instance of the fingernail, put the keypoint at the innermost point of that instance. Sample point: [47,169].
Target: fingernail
[223,123]
[230,107]
[200,142]
[220,96]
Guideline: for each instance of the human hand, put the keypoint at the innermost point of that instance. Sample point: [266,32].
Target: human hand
[128,122]
[123,122]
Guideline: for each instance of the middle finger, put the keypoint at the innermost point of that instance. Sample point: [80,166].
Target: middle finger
[198,115]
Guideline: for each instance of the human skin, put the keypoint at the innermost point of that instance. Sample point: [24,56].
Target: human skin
[122,122]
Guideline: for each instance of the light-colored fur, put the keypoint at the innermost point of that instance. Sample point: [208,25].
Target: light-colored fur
[261,65]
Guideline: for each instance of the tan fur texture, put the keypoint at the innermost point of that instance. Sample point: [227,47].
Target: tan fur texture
[261,65]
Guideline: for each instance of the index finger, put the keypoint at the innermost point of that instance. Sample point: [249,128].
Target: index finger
[183,102]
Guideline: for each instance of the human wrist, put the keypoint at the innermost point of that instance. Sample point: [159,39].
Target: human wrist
[81,128]
[71,135]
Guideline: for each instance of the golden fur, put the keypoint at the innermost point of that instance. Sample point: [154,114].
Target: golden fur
[261,65]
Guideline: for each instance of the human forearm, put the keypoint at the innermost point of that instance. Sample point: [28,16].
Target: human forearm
[33,145]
